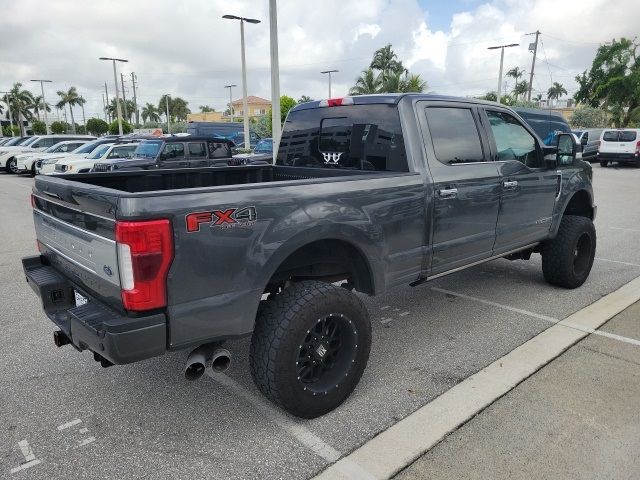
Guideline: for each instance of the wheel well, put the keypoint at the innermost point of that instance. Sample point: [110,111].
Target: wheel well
[580,205]
[328,260]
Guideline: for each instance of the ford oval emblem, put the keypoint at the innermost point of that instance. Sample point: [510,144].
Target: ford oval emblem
[107,270]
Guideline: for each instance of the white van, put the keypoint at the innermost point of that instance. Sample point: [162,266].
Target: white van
[621,145]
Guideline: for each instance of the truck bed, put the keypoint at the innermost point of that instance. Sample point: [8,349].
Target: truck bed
[160,180]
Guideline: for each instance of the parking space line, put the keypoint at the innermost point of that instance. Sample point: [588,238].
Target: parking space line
[627,229]
[393,449]
[565,323]
[26,450]
[70,424]
[618,261]
[24,466]
[301,433]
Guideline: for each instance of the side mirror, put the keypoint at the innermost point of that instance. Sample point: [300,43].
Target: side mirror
[567,148]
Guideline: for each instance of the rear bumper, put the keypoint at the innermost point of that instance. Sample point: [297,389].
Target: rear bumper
[619,157]
[94,326]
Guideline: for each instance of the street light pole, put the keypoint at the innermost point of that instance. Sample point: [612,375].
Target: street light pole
[501,47]
[245,105]
[166,101]
[44,102]
[115,80]
[330,72]
[230,101]
[9,108]
[276,119]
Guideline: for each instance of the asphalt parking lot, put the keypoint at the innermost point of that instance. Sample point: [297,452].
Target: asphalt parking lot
[146,421]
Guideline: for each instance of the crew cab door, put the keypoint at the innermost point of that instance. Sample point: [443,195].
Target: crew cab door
[197,152]
[528,189]
[173,156]
[466,185]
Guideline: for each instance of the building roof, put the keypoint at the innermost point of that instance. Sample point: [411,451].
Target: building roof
[253,100]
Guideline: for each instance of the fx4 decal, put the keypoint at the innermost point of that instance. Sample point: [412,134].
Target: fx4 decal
[231,217]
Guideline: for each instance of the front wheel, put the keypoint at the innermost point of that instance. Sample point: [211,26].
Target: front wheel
[12,166]
[310,347]
[567,259]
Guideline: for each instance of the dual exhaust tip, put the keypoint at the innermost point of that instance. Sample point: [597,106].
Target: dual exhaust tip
[209,355]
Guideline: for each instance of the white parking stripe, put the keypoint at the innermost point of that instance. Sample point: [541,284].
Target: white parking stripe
[565,323]
[618,261]
[26,450]
[70,424]
[288,424]
[404,442]
[627,229]
[24,466]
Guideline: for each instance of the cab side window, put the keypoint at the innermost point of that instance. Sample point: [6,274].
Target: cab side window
[454,135]
[173,151]
[513,141]
[197,150]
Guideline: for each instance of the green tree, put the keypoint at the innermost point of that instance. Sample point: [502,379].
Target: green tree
[21,104]
[515,73]
[589,117]
[97,126]
[489,96]
[150,113]
[286,104]
[413,84]
[206,109]
[39,128]
[6,131]
[613,81]
[263,125]
[305,99]
[59,127]
[521,88]
[71,98]
[386,60]
[556,91]
[112,109]
[178,109]
[39,105]
[126,127]
[368,82]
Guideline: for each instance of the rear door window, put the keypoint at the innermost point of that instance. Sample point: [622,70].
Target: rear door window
[354,137]
[454,135]
[197,150]
[611,136]
[627,136]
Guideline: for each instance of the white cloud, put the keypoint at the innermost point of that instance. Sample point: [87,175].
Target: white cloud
[187,49]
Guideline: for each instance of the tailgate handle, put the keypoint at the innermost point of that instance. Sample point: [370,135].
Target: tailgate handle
[510,185]
[54,195]
[448,193]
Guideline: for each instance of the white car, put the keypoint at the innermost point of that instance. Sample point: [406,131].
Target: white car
[26,162]
[46,165]
[621,145]
[84,165]
[35,144]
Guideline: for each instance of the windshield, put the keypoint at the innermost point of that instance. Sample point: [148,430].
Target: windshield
[13,142]
[264,146]
[100,151]
[54,148]
[26,141]
[88,147]
[148,149]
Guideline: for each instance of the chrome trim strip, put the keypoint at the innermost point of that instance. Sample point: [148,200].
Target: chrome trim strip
[69,259]
[74,209]
[86,232]
[495,257]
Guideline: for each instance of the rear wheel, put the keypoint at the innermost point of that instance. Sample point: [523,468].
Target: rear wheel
[604,163]
[567,259]
[33,169]
[11,166]
[309,347]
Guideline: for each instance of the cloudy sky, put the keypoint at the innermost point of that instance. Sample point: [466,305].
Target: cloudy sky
[185,48]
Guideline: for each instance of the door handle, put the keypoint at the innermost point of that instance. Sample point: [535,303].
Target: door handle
[448,193]
[510,185]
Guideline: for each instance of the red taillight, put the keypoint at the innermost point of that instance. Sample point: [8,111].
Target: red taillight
[638,148]
[33,201]
[145,252]
[336,102]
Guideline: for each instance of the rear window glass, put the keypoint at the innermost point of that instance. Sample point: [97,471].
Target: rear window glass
[628,136]
[454,135]
[355,137]
[619,136]
[610,136]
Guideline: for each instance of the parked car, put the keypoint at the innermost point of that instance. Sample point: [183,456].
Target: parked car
[263,152]
[38,143]
[4,140]
[372,191]
[16,141]
[172,152]
[590,141]
[233,131]
[46,165]
[108,151]
[546,123]
[621,145]
[26,162]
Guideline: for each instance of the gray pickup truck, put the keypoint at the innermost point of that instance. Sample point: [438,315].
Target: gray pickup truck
[366,193]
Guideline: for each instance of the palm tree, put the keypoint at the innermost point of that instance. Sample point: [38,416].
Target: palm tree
[521,88]
[366,83]
[150,112]
[81,102]
[305,99]
[21,104]
[71,98]
[414,84]
[515,73]
[206,109]
[386,60]
[39,105]
[538,98]
[556,91]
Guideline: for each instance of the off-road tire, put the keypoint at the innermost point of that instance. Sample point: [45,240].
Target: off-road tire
[283,325]
[567,259]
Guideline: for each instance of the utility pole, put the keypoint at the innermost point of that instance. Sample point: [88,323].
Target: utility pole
[115,80]
[104,108]
[533,64]
[44,103]
[166,99]
[135,98]
[501,47]
[84,119]
[124,99]
[330,72]
[106,94]
[276,125]
[230,87]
